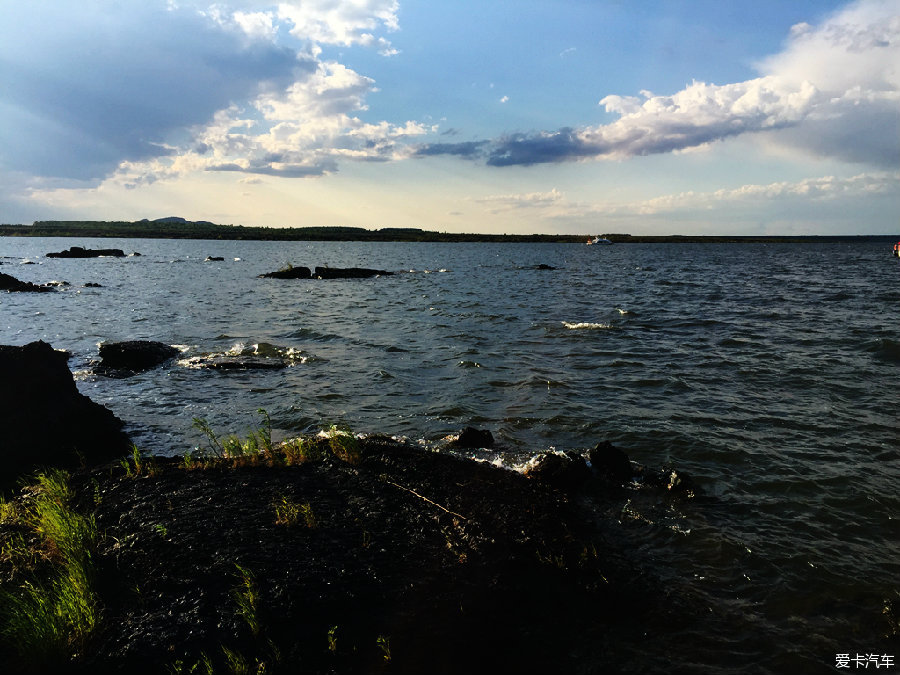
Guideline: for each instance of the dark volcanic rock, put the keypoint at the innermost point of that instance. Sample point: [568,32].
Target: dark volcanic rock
[13,285]
[324,273]
[78,252]
[289,273]
[463,567]
[470,437]
[348,273]
[135,355]
[566,472]
[237,362]
[610,463]
[45,420]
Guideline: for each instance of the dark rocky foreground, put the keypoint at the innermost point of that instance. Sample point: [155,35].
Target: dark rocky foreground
[413,562]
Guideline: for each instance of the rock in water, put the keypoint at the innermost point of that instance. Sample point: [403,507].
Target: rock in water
[289,273]
[348,273]
[78,252]
[471,437]
[135,355]
[610,463]
[566,472]
[46,421]
[13,285]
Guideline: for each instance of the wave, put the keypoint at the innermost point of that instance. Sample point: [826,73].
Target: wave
[584,325]
[243,355]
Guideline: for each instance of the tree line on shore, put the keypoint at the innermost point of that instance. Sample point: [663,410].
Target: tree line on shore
[179,228]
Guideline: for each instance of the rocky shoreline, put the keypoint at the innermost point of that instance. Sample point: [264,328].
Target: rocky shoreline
[334,554]
[404,561]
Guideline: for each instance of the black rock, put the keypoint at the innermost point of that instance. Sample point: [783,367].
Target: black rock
[610,463]
[240,362]
[213,258]
[290,272]
[13,285]
[542,266]
[348,273]
[566,472]
[78,252]
[135,355]
[91,284]
[46,421]
[471,437]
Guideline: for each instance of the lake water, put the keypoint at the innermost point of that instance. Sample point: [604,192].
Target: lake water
[768,372]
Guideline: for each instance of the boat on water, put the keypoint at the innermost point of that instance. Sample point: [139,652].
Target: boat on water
[602,241]
[896,249]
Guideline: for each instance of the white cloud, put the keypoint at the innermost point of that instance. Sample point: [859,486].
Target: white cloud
[342,23]
[834,91]
[256,24]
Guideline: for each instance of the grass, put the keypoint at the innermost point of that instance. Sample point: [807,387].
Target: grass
[258,445]
[289,512]
[139,465]
[344,445]
[49,618]
[246,596]
[259,448]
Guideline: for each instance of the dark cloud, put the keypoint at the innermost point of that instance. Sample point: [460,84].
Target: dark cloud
[88,85]
[522,149]
[466,150]
[286,171]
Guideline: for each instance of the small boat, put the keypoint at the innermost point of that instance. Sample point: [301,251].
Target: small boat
[599,240]
[897,250]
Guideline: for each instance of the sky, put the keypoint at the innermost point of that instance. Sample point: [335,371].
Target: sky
[501,116]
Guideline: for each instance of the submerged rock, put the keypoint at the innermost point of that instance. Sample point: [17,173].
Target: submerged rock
[45,420]
[135,355]
[12,285]
[78,252]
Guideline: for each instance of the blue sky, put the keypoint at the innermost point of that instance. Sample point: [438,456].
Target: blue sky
[572,116]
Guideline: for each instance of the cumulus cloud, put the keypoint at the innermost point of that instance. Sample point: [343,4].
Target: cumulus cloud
[343,23]
[834,91]
[90,92]
[302,131]
[83,91]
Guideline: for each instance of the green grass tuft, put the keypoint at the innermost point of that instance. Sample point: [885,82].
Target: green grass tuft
[344,445]
[49,620]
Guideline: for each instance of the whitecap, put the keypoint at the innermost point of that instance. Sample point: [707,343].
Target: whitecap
[584,325]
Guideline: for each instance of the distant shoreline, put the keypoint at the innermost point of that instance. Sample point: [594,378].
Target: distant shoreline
[177,228]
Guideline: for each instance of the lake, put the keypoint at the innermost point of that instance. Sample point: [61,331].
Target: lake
[768,372]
